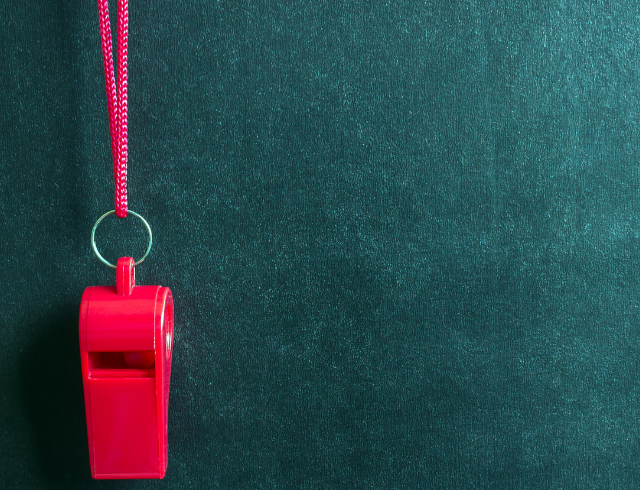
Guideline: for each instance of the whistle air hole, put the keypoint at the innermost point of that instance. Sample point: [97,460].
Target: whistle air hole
[100,361]
[140,360]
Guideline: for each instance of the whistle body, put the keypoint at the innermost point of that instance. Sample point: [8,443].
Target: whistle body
[126,338]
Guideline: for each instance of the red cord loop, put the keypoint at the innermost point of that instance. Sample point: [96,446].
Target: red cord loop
[117,97]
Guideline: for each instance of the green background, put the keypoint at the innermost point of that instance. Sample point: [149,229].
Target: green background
[402,239]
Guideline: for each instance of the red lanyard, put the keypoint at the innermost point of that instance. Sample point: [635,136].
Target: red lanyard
[117,100]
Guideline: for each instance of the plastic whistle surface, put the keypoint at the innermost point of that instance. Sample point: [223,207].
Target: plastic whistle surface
[126,337]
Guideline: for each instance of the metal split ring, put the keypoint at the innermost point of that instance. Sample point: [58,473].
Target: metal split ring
[93,236]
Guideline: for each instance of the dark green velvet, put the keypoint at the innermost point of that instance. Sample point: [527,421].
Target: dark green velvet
[402,239]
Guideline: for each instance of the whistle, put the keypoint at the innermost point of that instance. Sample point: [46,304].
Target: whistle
[126,338]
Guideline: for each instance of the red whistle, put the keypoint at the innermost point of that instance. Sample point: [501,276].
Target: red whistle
[126,337]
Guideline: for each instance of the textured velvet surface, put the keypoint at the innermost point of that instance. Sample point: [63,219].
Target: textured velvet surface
[402,239]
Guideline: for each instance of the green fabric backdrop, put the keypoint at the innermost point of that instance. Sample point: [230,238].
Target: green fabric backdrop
[402,239]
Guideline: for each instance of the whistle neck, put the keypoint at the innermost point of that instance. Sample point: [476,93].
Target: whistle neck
[125,276]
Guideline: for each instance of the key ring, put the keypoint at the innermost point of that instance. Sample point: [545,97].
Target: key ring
[93,236]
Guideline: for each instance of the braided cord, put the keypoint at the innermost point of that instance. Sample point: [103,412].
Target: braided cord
[117,97]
